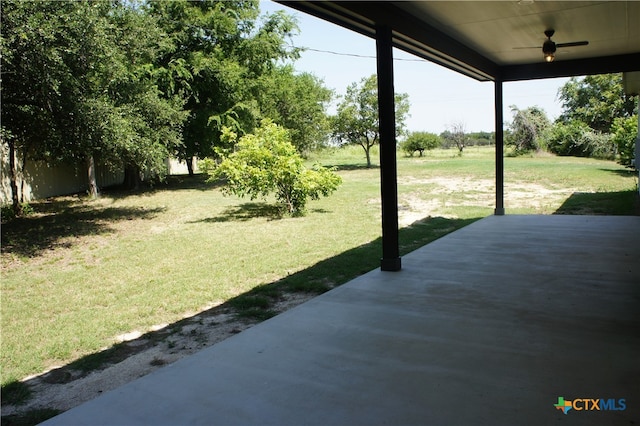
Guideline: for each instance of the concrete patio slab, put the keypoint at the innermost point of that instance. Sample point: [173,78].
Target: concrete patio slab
[489,325]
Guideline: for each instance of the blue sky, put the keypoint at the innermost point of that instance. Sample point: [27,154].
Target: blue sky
[438,96]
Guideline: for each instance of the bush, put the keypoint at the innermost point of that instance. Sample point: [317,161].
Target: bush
[528,129]
[601,145]
[625,131]
[420,141]
[266,162]
[578,139]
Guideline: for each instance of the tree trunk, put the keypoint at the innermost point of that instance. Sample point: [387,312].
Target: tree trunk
[91,175]
[189,162]
[132,177]
[15,197]
[21,168]
[367,148]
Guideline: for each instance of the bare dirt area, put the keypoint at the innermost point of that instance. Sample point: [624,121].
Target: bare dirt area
[443,192]
[138,354]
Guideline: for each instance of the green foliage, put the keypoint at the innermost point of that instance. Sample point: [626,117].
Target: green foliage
[578,139]
[526,131]
[266,162]
[297,102]
[625,132]
[357,119]
[80,84]
[596,100]
[481,138]
[9,213]
[216,59]
[420,141]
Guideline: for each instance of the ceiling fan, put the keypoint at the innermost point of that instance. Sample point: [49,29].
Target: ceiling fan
[549,47]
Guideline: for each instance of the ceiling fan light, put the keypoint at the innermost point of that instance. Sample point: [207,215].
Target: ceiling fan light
[549,50]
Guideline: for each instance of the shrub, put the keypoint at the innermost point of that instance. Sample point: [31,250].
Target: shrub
[578,139]
[266,162]
[528,129]
[625,131]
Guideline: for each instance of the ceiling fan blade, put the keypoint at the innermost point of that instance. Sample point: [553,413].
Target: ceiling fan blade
[573,43]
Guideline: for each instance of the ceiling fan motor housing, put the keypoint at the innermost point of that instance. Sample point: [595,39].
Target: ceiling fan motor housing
[548,47]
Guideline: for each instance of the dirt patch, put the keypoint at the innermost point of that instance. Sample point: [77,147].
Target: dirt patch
[140,353]
[439,193]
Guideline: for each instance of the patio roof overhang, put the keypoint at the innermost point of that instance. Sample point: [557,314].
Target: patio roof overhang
[497,41]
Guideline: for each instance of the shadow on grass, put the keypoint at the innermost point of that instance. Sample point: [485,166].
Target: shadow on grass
[255,305]
[628,172]
[249,211]
[172,183]
[601,203]
[244,212]
[55,220]
[351,167]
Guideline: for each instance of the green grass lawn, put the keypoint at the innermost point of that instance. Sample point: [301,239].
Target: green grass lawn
[78,273]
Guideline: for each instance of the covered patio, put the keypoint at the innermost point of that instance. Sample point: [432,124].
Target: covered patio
[488,325]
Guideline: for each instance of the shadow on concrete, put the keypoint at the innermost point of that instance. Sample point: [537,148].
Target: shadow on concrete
[254,306]
[620,203]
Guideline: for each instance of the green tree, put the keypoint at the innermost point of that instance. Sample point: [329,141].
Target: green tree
[482,138]
[357,119]
[95,96]
[219,51]
[526,131]
[625,132]
[145,125]
[596,100]
[266,162]
[297,102]
[32,70]
[420,141]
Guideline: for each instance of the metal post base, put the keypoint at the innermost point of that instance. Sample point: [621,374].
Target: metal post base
[391,264]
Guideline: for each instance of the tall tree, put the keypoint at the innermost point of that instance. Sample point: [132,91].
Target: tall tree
[297,102]
[96,97]
[596,100]
[357,119]
[218,51]
[32,71]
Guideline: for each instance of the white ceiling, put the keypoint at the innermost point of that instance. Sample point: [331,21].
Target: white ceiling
[498,29]
[487,40]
